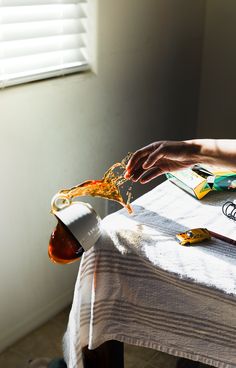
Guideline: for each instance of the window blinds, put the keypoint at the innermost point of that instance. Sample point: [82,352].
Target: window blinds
[41,39]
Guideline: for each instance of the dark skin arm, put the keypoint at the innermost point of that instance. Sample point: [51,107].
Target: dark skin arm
[160,157]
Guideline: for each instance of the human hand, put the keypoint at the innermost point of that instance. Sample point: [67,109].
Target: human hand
[160,157]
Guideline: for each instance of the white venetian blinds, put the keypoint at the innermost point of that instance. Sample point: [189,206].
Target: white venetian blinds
[42,38]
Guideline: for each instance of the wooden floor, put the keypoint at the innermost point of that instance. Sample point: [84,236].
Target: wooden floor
[46,342]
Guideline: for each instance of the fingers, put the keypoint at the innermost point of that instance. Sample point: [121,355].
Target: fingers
[135,163]
[139,157]
[165,150]
[154,157]
[143,176]
[164,166]
[137,171]
[151,174]
[174,153]
[171,150]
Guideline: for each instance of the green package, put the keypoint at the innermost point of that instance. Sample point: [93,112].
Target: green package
[200,180]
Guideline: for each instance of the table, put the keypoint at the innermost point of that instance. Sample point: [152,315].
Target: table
[139,286]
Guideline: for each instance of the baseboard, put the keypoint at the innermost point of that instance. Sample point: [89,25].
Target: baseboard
[34,320]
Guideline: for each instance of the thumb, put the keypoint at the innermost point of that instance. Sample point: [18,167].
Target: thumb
[151,174]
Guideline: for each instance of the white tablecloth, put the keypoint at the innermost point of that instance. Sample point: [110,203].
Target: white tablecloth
[139,286]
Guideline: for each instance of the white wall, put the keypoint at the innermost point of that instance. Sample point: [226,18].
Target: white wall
[217,111]
[59,132]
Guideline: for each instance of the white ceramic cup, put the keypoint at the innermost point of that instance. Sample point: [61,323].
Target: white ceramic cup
[82,221]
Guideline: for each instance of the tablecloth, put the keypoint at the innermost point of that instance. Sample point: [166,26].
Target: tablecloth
[139,286]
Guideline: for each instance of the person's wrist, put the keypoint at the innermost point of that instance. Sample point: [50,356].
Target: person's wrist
[196,150]
[204,149]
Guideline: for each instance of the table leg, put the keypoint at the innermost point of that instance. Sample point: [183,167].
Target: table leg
[110,354]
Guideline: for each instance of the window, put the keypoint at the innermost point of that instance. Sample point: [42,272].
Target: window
[42,38]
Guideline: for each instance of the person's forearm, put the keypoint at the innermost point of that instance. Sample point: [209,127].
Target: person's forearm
[217,152]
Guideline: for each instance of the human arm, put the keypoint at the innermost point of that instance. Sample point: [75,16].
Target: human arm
[163,156]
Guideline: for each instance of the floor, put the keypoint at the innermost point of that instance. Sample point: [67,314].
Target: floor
[46,342]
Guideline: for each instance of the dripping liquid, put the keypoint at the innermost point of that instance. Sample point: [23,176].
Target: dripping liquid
[63,247]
